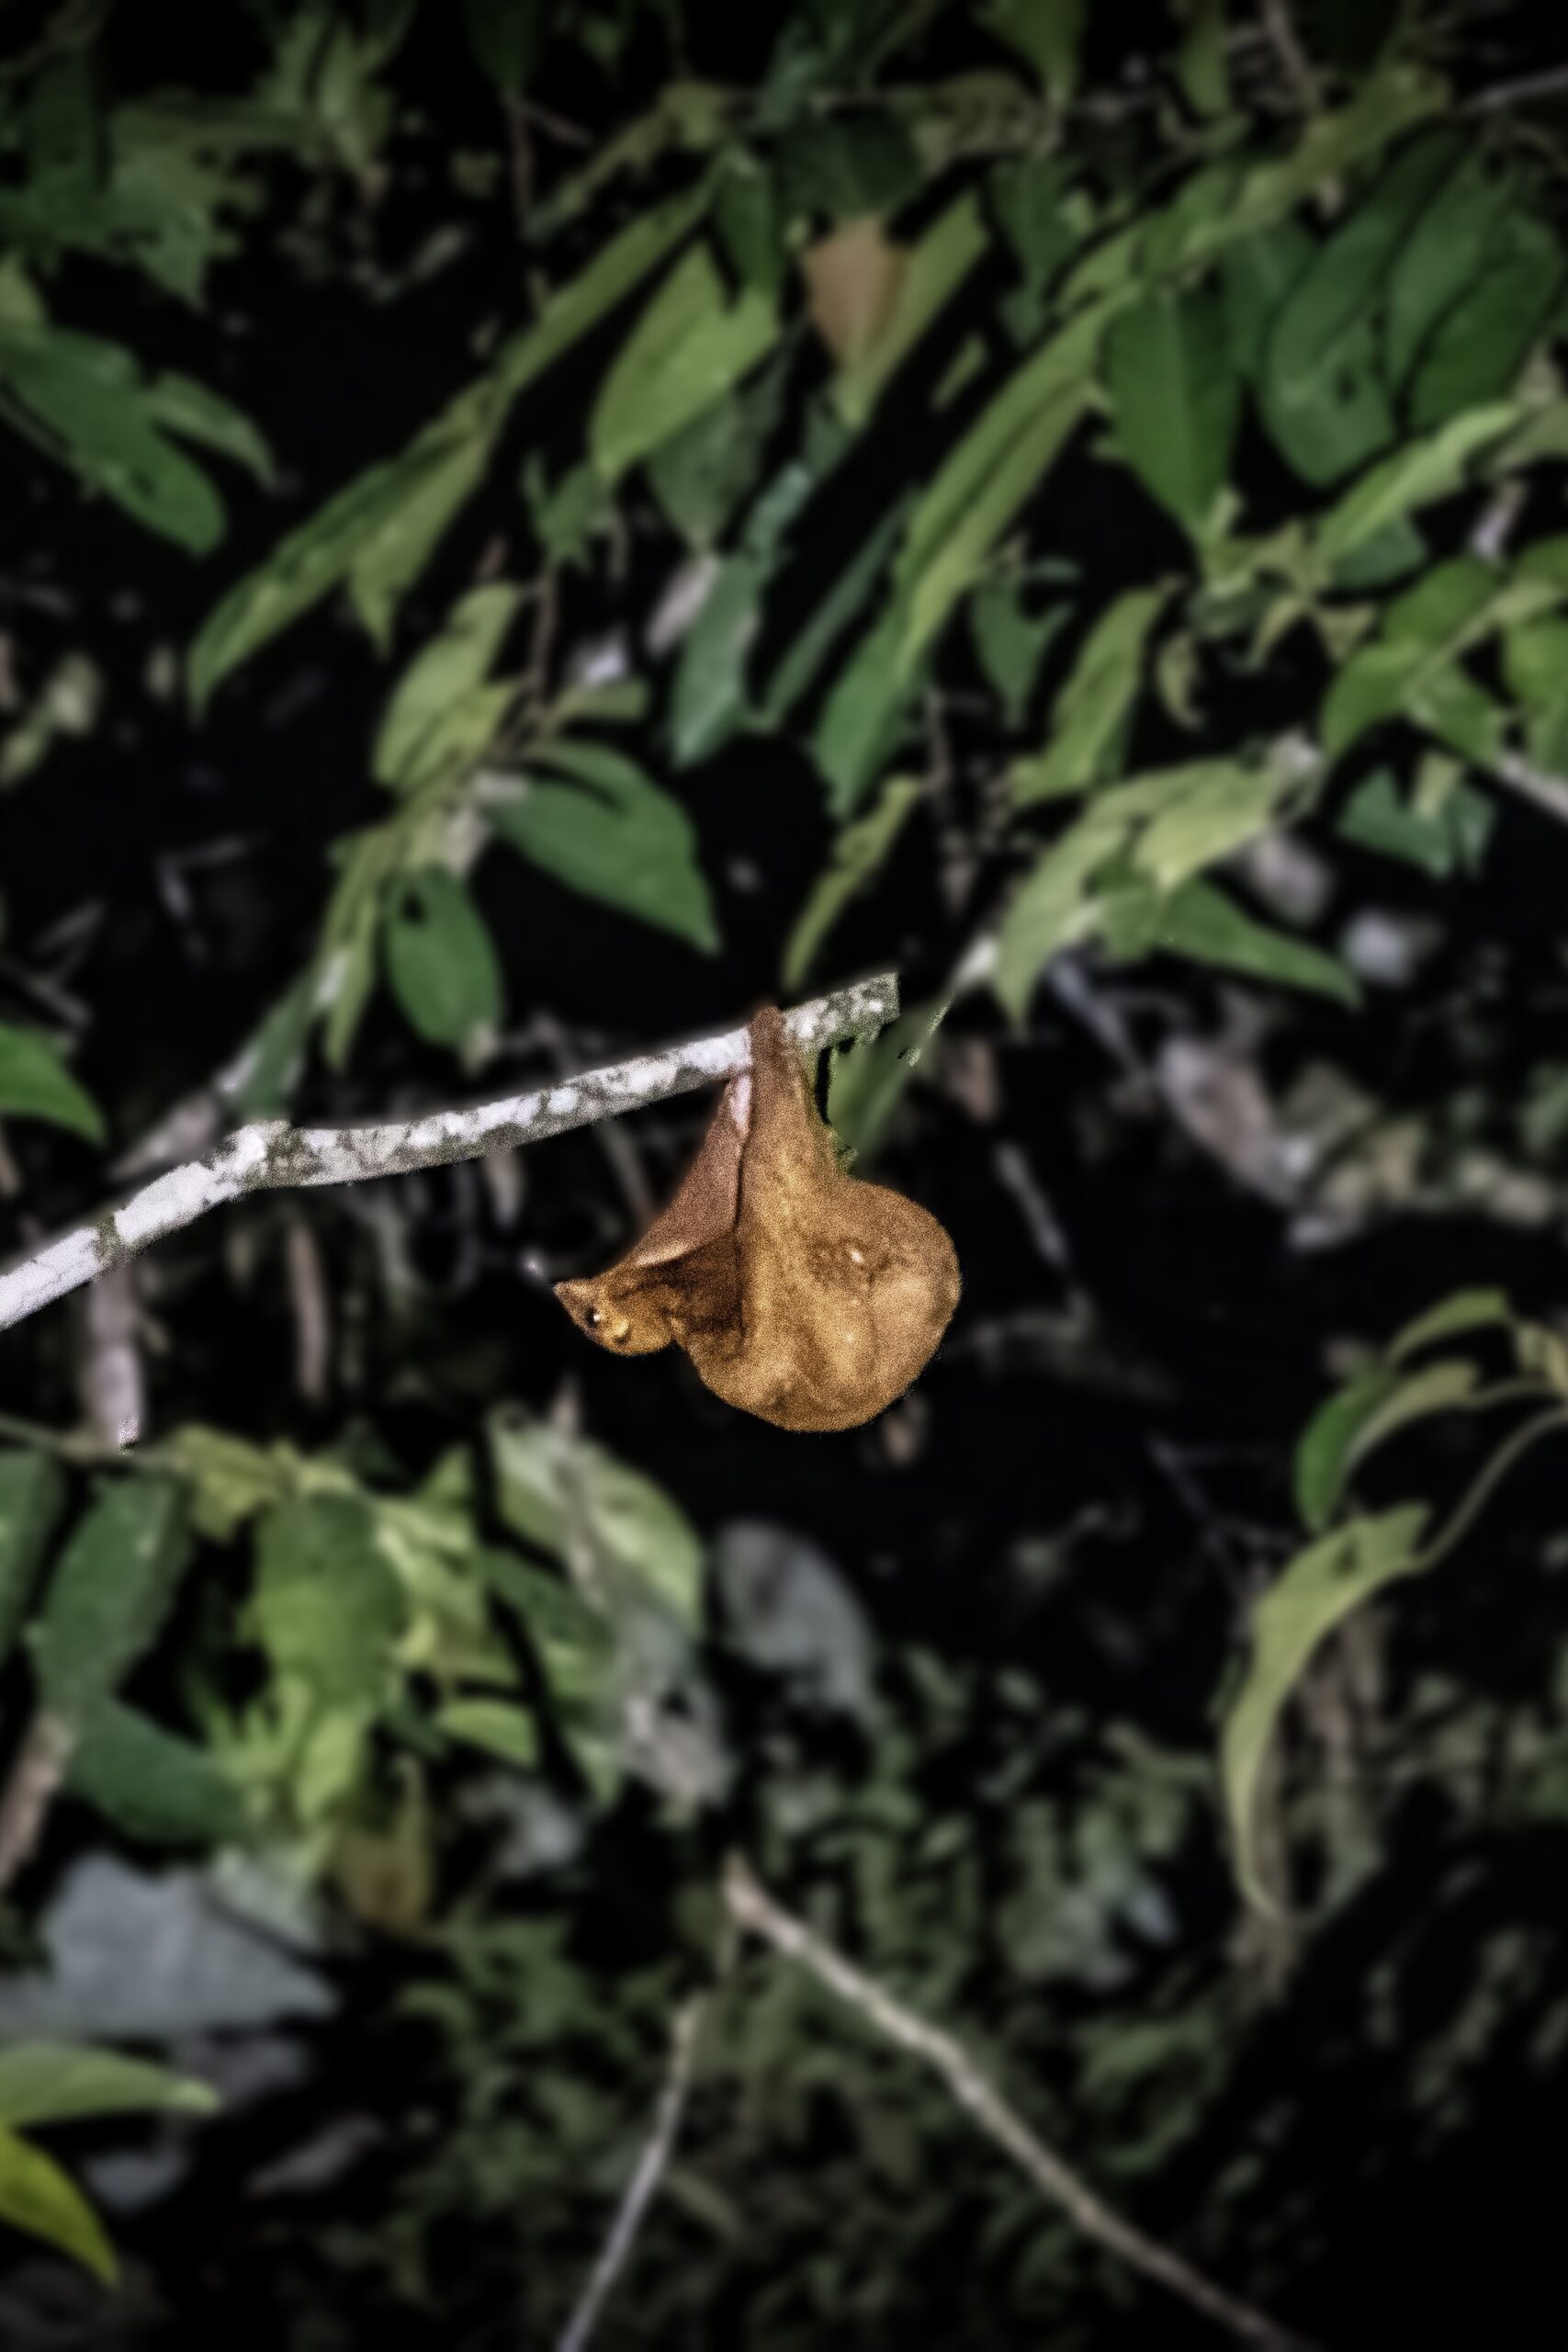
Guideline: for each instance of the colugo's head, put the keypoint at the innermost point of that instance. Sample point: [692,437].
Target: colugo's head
[619,1315]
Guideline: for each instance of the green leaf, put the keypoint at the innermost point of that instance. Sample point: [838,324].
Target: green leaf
[1438,840]
[1465,1310]
[110,1592]
[1444,255]
[1434,1389]
[441,715]
[867,1084]
[1482,343]
[1175,396]
[709,701]
[749,225]
[1011,641]
[1316,1592]
[37,2196]
[701,474]
[151,1785]
[691,344]
[197,413]
[610,833]
[494,1726]
[327,1607]
[1047,34]
[547,1486]
[863,716]
[1200,921]
[440,960]
[1089,723]
[34,1084]
[507,38]
[845,167]
[1414,475]
[83,399]
[859,852]
[800,665]
[1322,390]
[383,526]
[1207,811]
[1259,275]
[1324,1449]
[48,2082]
[32,1496]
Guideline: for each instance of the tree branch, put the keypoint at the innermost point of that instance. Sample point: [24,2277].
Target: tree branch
[273,1155]
[752,1908]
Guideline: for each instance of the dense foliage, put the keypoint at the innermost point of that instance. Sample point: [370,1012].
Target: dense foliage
[531,531]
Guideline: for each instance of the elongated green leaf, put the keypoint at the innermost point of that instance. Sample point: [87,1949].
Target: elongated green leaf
[496,1725]
[862,717]
[609,831]
[1316,1592]
[36,1084]
[107,1600]
[1175,396]
[1056,904]
[1260,274]
[1324,1449]
[423,731]
[701,474]
[709,701]
[1439,839]
[383,526]
[1201,921]
[198,413]
[151,1784]
[1435,1389]
[859,852]
[867,1084]
[691,344]
[1444,254]
[37,2196]
[1466,1310]
[1208,809]
[49,2082]
[1322,391]
[440,960]
[1090,721]
[1414,475]
[32,1496]
[1482,342]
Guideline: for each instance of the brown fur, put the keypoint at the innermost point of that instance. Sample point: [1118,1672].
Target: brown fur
[800,1293]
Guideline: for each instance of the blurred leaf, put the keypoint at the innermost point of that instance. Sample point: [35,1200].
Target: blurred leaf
[553,1489]
[859,850]
[1207,809]
[227,1479]
[440,960]
[1482,342]
[32,1496]
[36,1084]
[197,413]
[440,713]
[1414,475]
[1175,396]
[1466,1310]
[151,1785]
[1376,818]
[862,717]
[36,2196]
[701,474]
[1201,60]
[111,1589]
[842,167]
[1200,921]
[1322,391]
[507,38]
[46,2082]
[1048,36]
[610,833]
[1090,721]
[1314,1594]
[691,344]
[1260,274]
[1011,642]
[852,277]
[326,1606]
[1444,255]
[747,222]
[1324,1449]
[866,1083]
[709,701]
[494,1726]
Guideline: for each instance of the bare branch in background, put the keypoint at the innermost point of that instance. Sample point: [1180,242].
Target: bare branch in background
[273,1155]
[753,1910]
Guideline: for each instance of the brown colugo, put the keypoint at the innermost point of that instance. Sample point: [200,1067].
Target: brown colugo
[799,1292]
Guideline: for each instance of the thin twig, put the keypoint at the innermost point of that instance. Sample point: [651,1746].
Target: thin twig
[648,2172]
[40,1765]
[273,1155]
[752,1908]
[1550,83]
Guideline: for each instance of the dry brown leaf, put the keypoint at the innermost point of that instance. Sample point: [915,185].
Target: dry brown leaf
[853,278]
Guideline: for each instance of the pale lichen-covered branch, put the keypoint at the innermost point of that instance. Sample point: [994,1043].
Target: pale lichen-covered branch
[273,1155]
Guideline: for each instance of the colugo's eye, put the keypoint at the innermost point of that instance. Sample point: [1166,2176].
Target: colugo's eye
[593,1318]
